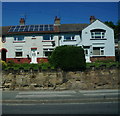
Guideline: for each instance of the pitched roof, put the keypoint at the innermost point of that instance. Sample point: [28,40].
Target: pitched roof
[62,28]
[72,27]
[5,29]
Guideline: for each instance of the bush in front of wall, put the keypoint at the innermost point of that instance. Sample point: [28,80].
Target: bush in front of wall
[68,58]
[3,64]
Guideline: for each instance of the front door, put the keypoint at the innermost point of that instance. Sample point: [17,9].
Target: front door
[87,54]
[33,56]
[3,54]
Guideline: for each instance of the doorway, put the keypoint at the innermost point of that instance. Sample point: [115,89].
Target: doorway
[3,54]
[34,56]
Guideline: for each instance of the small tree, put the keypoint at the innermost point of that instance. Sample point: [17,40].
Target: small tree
[68,58]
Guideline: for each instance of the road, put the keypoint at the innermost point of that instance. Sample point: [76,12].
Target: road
[62,108]
[61,102]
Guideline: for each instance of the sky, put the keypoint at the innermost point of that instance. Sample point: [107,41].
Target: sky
[69,12]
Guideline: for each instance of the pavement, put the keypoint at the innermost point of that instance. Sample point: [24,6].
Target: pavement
[66,96]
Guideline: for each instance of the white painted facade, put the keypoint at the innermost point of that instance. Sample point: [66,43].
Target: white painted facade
[106,44]
[34,46]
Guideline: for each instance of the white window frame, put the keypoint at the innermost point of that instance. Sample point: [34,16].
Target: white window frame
[50,38]
[72,38]
[18,50]
[47,50]
[101,35]
[101,49]
[98,34]
[16,38]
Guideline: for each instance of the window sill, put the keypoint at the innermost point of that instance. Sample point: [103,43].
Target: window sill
[18,41]
[48,40]
[45,56]
[99,39]
[98,56]
[18,57]
[68,40]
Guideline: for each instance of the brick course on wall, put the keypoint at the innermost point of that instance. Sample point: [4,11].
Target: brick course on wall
[102,58]
[25,60]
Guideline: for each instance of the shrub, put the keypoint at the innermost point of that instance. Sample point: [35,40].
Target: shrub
[68,58]
[10,63]
[105,61]
[3,64]
[45,65]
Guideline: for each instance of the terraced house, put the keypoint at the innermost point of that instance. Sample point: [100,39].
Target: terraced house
[30,43]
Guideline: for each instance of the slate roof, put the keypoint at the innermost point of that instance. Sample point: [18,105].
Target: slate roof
[5,29]
[72,27]
[62,28]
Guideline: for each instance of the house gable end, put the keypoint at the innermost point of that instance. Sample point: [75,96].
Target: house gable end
[99,23]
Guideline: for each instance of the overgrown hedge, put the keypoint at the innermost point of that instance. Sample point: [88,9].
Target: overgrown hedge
[68,58]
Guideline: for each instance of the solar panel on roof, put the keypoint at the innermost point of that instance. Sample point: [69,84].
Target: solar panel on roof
[28,28]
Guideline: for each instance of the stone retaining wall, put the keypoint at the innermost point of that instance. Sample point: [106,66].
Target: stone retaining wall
[89,79]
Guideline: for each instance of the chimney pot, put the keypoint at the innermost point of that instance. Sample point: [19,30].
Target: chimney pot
[56,21]
[22,21]
[92,19]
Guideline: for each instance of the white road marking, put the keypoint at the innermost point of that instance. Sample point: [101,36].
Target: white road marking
[13,104]
[99,91]
[47,92]
[100,94]
[41,96]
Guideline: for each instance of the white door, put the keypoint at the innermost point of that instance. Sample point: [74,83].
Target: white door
[34,56]
[87,54]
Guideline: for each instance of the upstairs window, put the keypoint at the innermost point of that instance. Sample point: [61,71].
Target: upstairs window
[98,34]
[69,38]
[19,38]
[47,37]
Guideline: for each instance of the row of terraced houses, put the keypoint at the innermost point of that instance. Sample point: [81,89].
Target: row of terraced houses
[30,43]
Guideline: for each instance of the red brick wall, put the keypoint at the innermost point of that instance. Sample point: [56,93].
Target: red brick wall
[25,60]
[19,60]
[93,59]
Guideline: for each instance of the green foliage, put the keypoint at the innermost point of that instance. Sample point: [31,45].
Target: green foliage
[26,66]
[45,66]
[116,27]
[10,63]
[110,24]
[68,58]
[3,64]
[98,64]
[105,61]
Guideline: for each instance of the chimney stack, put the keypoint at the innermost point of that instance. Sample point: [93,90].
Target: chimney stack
[57,21]
[22,21]
[92,19]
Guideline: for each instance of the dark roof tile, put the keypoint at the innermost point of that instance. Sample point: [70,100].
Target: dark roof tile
[5,29]
[72,27]
[62,28]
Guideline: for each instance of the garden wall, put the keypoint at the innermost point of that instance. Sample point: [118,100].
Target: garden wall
[105,78]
